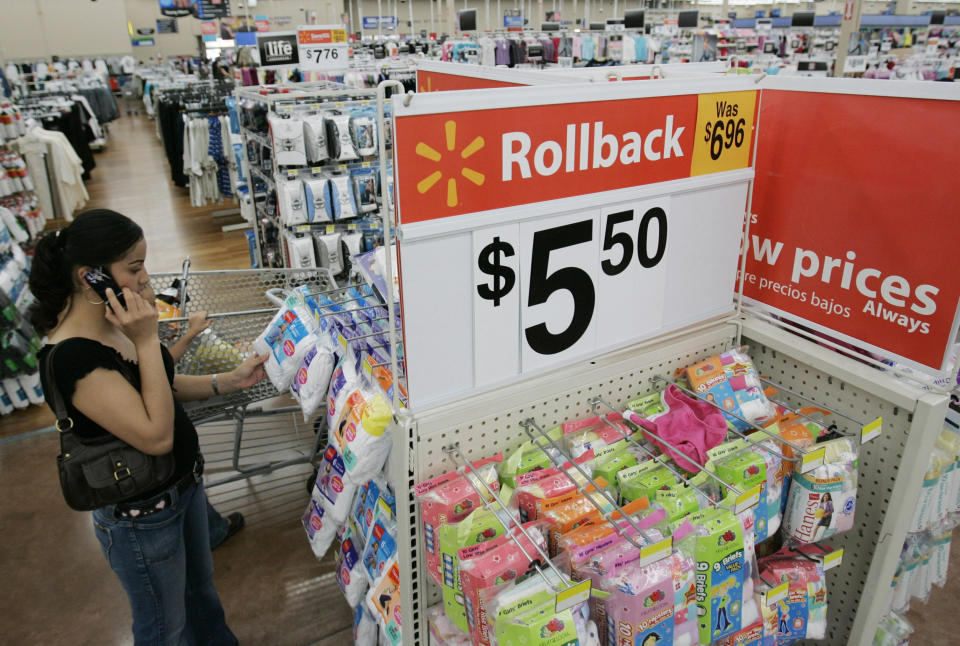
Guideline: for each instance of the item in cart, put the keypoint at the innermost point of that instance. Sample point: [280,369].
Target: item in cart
[730,380]
[329,251]
[349,575]
[312,380]
[364,182]
[293,205]
[288,337]
[449,498]
[384,601]
[691,426]
[363,127]
[339,140]
[317,199]
[288,145]
[315,138]
[494,563]
[480,526]
[822,502]
[343,204]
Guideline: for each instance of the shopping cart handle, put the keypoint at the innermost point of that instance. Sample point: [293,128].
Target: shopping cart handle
[276,296]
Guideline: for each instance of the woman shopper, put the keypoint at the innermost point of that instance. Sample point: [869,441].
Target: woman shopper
[115,378]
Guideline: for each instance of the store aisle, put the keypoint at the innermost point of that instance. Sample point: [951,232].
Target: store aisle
[57,586]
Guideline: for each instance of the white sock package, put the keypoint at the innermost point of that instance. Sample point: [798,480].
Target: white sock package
[315,138]
[341,198]
[301,253]
[317,197]
[338,137]
[288,145]
[290,200]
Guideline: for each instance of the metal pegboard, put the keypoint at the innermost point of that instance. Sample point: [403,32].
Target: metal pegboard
[889,466]
[489,423]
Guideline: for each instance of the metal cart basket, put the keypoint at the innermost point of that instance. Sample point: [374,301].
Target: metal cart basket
[241,304]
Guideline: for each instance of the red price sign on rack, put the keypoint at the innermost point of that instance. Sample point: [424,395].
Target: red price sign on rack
[544,225]
[323,47]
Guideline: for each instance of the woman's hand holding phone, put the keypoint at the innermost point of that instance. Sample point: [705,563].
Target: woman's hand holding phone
[138,320]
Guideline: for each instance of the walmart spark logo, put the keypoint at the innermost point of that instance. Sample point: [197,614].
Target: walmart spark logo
[425,151]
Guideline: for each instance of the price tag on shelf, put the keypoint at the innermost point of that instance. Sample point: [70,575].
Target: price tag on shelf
[833,559]
[316,169]
[653,553]
[352,226]
[748,499]
[365,165]
[331,228]
[315,105]
[871,431]
[341,166]
[291,174]
[574,595]
[323,47]
[302,228]
[777,594]
[812,459]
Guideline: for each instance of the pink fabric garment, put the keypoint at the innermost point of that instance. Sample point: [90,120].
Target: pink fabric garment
[690,425]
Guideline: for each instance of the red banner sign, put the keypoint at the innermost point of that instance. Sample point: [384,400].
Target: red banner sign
[439,82]
[854,225]
[467,162]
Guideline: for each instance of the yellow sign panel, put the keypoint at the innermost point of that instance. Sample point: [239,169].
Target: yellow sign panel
[724,137]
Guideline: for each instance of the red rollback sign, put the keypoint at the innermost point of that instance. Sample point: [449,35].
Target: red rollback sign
[854,226]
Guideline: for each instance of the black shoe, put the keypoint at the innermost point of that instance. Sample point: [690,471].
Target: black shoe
[235,524]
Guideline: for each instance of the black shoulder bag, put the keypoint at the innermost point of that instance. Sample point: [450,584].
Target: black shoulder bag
[102,472]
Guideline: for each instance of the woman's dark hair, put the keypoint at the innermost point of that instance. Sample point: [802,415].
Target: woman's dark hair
[95,238]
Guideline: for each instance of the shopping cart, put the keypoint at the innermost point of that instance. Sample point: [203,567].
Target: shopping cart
[241,304]
[130,94]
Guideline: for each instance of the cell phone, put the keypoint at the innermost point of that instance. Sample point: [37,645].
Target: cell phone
[99,280]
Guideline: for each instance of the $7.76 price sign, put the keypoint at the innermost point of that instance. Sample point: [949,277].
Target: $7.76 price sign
[323,47]
[568,285]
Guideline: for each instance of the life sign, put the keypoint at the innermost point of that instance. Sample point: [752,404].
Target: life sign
[553,225]
[278,49]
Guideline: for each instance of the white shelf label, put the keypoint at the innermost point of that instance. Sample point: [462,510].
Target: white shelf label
[574,595]
[323,47]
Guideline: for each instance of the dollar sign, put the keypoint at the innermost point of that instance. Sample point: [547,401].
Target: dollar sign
[707,136]
[503,277]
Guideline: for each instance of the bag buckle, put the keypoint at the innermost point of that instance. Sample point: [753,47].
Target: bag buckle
[119,473]
[60,428]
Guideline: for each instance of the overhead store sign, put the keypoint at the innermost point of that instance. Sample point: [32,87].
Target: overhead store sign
[861,244]
[385,22]
[278,48]
[323,47]
[547,236]
[177,8]
[207,9]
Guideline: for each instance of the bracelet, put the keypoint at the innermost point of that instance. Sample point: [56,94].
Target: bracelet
[213,384]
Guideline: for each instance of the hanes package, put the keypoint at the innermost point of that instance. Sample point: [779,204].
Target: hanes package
[315,138]
[339,141]
[288,144]
[317,199]
[288,337]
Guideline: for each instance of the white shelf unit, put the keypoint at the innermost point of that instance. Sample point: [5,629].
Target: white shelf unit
[859,589]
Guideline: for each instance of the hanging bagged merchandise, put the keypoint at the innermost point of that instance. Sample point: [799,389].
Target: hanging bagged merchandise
[679,501]
[15,393]
[893,630]
[535,486]
[354,243]
[449,498]
[311,381]
[288,337]
[315,138]
[339,141]
[329,251]
[524,611]
[641,603]
[940,561]
[365,632]
[288,144]
[337,493]
[480,526]
[31,386]
[316,198]
[690,425]
[822,502]
[532,455]
[644,480]
[746,469]
[293,207]
[442,631]
[349,573]
[610,460]
[579,510]
[383,599]
[363,127]
[730,380]
[493,563]
[719,551]
[802,614]
[381,547]
[301,252]
[359,429]
[321,530]
[593,433]
[364,182]
[343,205]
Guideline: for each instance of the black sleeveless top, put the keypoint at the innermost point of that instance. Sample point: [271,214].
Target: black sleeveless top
[78,357]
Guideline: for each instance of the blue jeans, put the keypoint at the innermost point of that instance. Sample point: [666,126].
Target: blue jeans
[217,525]
[164,563]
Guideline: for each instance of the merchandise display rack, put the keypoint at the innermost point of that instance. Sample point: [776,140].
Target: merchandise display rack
[308,98]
